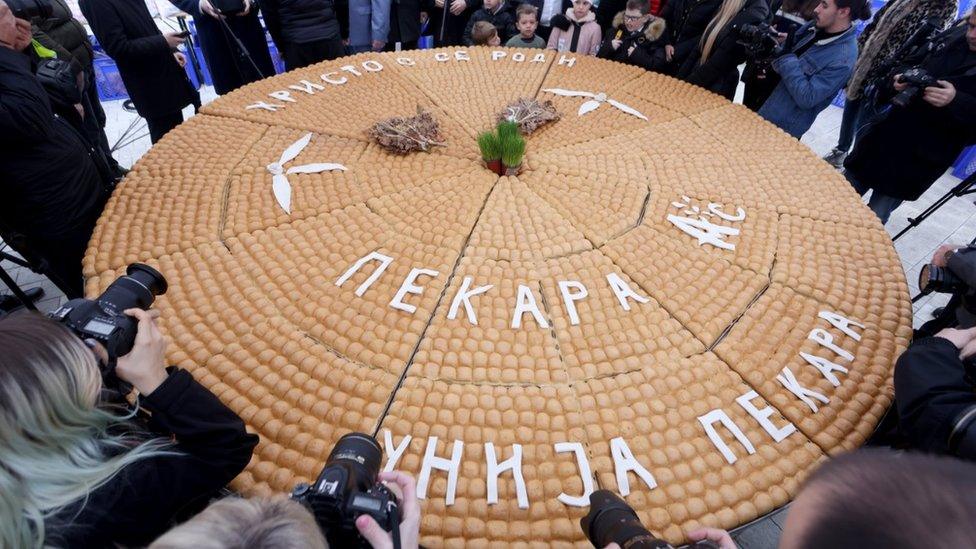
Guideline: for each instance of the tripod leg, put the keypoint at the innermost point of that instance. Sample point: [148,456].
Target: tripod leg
[966,186]
[18,293]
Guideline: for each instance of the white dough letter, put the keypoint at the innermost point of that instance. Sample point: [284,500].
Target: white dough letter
[307,87]
[406,61]
[539,58]
[463,297]
[568,298]
[327,77]
[518,57]
[372,65]
[462,55]
[408,287]
[441,56]
[384,260]
[623,291]
[282,95]
[719,416]
[788,380]
[568,61]
[824,338]
[584,468]
[394,452]
[496,55]
[525,303]
[431,461]
[351,70]
[841,323]
[625,462]
[514,464]
[762,416]
[826,367]
[273,107]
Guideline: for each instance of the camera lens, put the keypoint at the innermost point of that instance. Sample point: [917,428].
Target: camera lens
[138,288]
[362,454]
[611,520]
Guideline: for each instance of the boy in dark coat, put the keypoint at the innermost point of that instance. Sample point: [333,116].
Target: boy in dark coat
[499,14]
[636,38]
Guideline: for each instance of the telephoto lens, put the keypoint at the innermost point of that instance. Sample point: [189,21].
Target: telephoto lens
[611,520]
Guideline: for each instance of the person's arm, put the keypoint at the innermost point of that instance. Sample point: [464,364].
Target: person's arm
[108,27]
[809,90]
[725,54]
[380,21]
[931,389]
[25,114]
[191,7]
[649,57]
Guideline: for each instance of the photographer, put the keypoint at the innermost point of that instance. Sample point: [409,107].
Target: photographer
[77,471]
[758,77]
[814,65]
[900,155]
[152,72]
[284,524]
[52,189]
[880,46]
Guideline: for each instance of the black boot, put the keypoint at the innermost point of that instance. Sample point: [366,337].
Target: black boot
[9,302]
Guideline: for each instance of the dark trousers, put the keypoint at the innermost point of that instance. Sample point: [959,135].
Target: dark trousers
[94,123]
[404,46]
[160,125]
[881,204]
[849,124]
[302,55]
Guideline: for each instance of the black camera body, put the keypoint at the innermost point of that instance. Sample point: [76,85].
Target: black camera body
[29,9]
[228,7]
[59,80]
[760,41]
[102,319]
[611,520]
[917,79]
[346,488]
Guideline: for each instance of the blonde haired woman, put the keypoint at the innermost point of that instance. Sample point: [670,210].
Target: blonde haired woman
[713,65]
[75,472]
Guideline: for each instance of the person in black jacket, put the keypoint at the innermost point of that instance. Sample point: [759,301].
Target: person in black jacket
[497,12]
[713,63]
[903,153]
[449,18]
[306,31]
[935,394]
[66,36]
[229,67]
[404,25]
[78,473]
[146,58]
[686,21]
[636,38]
[52,191]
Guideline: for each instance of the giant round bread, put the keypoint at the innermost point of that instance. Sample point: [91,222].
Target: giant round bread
[693,308]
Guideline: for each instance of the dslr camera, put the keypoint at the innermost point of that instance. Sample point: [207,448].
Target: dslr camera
[102,318]
[760,41]
[346,488]
[611,520]
[917,79]
[29,9]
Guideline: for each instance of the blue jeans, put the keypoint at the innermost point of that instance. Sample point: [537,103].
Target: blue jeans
[881,204]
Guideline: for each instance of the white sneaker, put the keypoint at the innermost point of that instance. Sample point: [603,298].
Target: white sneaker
[836,158]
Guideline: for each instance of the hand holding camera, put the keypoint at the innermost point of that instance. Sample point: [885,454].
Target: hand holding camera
[964,340]
[405,489]
[145,366]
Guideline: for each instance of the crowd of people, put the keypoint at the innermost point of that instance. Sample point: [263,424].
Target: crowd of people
[79,468]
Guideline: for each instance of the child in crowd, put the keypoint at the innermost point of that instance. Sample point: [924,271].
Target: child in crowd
[484,33]
[636,38]
[496,12]
[577,31]
[526,20]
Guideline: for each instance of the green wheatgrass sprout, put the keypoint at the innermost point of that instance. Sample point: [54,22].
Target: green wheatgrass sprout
[513,149]
[490,147]
[507,129]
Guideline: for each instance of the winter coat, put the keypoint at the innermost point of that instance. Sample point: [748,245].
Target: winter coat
[156,83]
[686,22]
[142,501]
[503,19]
[448,29]
[582,37]
[720,72]
[51,184]
[65,35]
[300,21]
[649,42]
[369,20]
[809,83]
[404,21]
[228,68]
[902,154]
